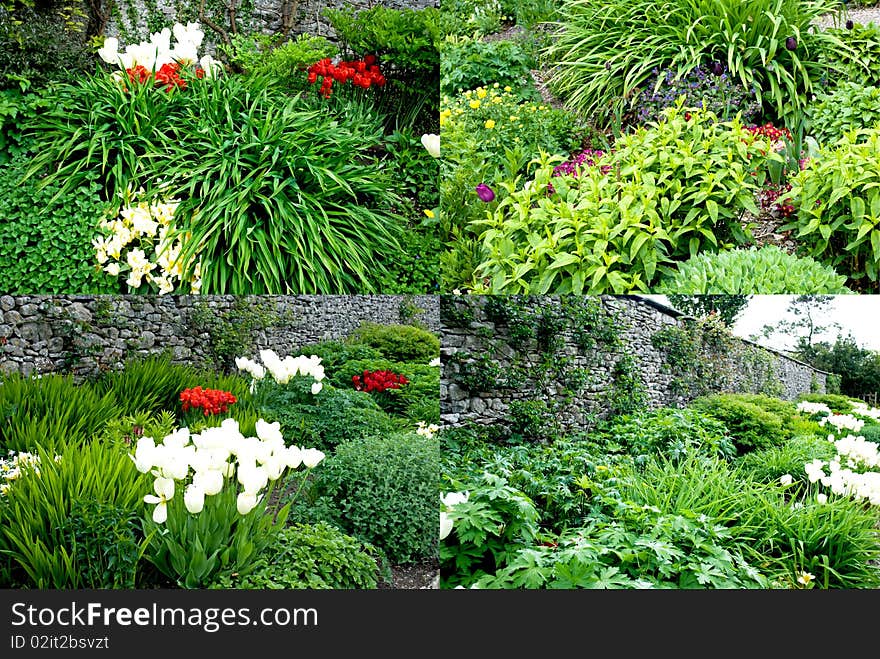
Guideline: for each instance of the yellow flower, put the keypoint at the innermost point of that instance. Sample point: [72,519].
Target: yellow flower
[496,85]
[513,117]
[508,88]
[429,213]
[490,124]
[805,578]
[474,104]
[481,93]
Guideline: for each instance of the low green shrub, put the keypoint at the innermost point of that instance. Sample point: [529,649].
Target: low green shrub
[309,556]
[837,200]
[764,271]
[770,464]
[750,426]
[855,62]
[470,63]
[383,491]
[400,343]
[849,106]
[672,433]
[664,194]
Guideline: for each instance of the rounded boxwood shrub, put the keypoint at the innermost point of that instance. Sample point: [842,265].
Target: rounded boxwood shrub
[750,426]
[384,491]
[400,343]
[314,556]
[765,271]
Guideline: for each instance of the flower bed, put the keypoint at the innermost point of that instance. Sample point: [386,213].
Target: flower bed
[200,477]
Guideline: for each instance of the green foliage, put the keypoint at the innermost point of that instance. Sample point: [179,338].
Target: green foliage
[309,556]
[853,370]
[750,426]
[107,543]
[764,271]
[726,307]
[18,108]
[666,193]
[471,17]
[195,550]
[674,434]
[298,205]
[491,526]
[604,51]
[384,492]
[627,393]
[849,106]
[470,63]
[50,412]
[406,43]
[402,343]
[333,417]
[36,510]
[532,420]
[43,43]
[856,62]
[46,235]
[283,64]
[768,465]
[837,199]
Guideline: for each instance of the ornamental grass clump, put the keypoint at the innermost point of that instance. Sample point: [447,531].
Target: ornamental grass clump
[604,51]
[210,516]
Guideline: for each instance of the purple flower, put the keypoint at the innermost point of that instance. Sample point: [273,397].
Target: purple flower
[849,25]
[717,68]
[485,193]
[791,43]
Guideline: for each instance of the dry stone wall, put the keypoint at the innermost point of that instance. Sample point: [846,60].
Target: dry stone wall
[87,334]
[581,385]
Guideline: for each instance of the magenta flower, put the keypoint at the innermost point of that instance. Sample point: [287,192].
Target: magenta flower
[485,193]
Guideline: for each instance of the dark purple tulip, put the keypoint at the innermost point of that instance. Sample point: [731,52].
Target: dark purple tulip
[849,25]
[607,66]
[717,68]
[791,43]
[485,193]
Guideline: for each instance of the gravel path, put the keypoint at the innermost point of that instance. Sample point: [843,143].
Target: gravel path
[863,15]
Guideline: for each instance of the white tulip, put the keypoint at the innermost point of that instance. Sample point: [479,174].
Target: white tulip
[454,498]
[316,387]
[269,432]
[252,478]
[110,50]
[311,457]
[209,481]
[293,456]
[786,479]
[431,142]
[194,499]
[145,454]
[246,502]
[445,525]
[822,498]
[164,488]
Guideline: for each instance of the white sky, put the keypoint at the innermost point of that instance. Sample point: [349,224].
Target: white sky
[858,315]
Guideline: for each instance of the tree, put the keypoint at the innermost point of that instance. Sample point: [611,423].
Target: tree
[806,324]
[858,368]
[725,307]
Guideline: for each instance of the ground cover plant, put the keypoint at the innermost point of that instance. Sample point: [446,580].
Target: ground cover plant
[734,491]
[272,474]
[613,164]
[203,156]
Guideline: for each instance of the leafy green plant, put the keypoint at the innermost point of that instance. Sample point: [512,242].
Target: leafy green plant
[107,543]
[770,464]
[604,51]
[750,426]
[46,237]
[309,556]
[837,201]
[666,193]
[383,491]
[471,63]
[765,271]
[284,64]
[849,106]
[855,63]
[402,343]
[533,420]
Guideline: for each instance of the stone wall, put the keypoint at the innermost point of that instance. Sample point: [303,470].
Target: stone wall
[86,334]
[266,15]
[741,366]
